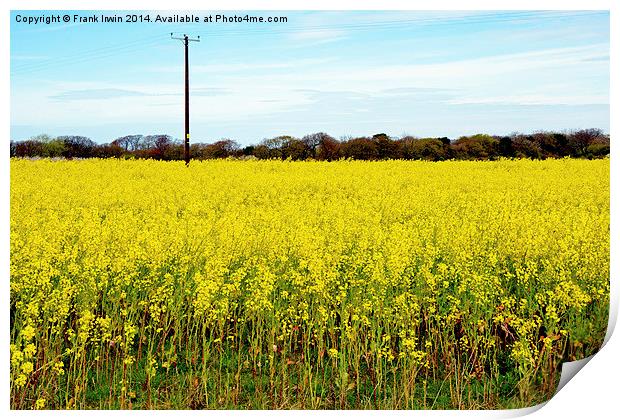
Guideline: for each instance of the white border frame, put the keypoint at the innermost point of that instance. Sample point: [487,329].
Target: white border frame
[592,394]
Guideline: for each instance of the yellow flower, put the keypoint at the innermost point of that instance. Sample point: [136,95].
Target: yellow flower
[28,332]
[21,380]
[30,350]
[27,368]
[58,368]
[16,357]
[377,260]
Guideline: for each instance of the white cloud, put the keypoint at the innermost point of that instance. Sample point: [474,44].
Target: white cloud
[532,99]
[224,68]
[543,77]
[19,57]
[317,36]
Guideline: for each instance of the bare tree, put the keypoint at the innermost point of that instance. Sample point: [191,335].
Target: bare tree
[129,143]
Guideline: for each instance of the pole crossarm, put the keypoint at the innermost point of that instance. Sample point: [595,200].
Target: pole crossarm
[184,38]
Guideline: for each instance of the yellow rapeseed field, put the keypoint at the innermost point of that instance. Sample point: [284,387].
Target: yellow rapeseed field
[276,284]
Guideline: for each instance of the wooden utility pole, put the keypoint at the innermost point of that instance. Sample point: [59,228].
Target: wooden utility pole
[186,40]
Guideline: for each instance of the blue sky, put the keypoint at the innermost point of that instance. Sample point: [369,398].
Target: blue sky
[345,73]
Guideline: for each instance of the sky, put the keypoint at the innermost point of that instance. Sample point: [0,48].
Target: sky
[351,73]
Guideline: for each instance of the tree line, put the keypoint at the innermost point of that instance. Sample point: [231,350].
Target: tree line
[588,143]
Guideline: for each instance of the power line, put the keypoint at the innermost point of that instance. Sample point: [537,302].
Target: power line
[86,56]
[479,19]
[492,17]
[126,47]
[94,52]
